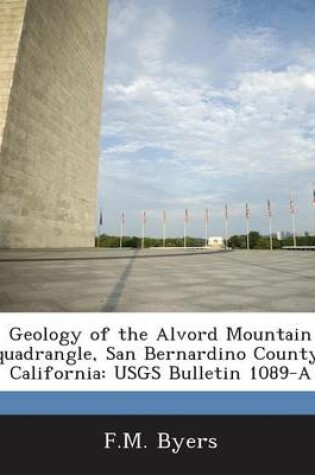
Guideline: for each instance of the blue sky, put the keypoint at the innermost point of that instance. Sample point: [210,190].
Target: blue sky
[208,102]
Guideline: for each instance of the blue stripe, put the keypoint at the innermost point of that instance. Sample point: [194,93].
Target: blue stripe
[157,403]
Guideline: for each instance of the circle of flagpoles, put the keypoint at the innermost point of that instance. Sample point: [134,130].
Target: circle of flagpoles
[186,219]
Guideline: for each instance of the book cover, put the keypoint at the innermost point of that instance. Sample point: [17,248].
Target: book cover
[157,235]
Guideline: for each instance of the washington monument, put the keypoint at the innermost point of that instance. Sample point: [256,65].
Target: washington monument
[51,75]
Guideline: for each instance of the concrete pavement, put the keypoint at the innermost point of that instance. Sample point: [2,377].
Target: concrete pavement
[109,280]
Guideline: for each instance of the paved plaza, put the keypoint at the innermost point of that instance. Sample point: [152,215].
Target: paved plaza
[114,280]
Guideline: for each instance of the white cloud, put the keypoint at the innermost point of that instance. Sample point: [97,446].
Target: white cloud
[266,114]
[259,122]
[123,15]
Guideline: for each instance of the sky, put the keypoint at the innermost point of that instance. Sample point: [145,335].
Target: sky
[208,102]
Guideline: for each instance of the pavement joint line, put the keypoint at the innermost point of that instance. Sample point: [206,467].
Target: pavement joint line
[97,258]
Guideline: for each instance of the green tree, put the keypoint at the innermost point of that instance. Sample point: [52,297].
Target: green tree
[254,238]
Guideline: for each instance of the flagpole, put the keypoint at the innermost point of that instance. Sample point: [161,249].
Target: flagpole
[185,227]
[143,229]
[122,218]
[247,227]
[121,234]
[206,226]
[270,223]
[293,211]
[186,219]
[294,229]
[226,228]
[164,227]
[247,234]
[99,228]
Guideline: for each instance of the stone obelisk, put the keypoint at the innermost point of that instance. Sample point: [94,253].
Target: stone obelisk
[51,74]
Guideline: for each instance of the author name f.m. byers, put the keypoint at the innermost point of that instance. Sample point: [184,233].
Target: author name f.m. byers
[164,441]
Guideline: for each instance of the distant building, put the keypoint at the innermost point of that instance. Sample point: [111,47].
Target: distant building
[283,235]
[216,241]
[279,235]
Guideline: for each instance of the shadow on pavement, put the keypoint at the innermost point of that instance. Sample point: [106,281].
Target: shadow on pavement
[115,295]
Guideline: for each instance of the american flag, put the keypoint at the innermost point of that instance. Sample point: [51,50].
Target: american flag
[226,211]
[122,217]
[186,216]
[314,194]
[247,211]
[292,205]
[164,216]
[101,218]
[144,217]
[269,208]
